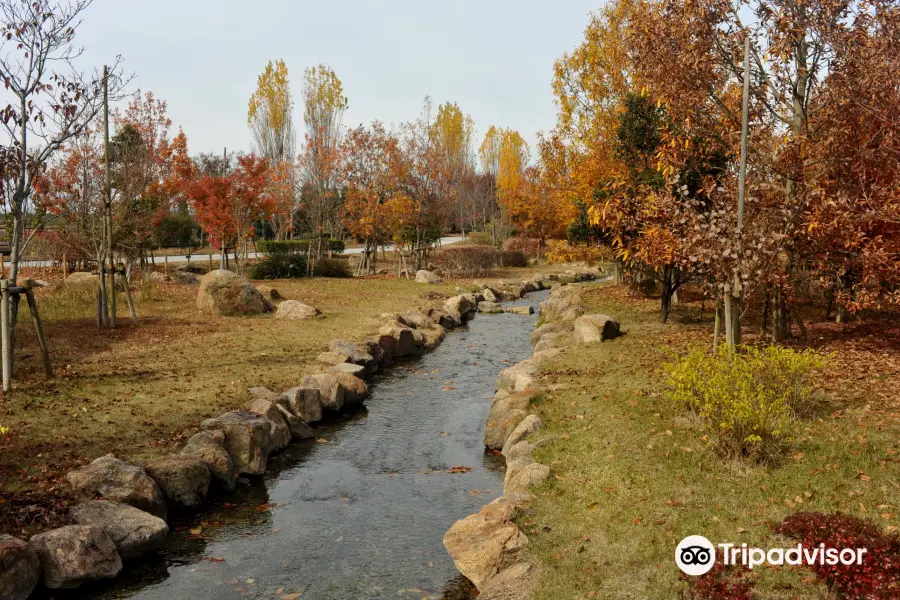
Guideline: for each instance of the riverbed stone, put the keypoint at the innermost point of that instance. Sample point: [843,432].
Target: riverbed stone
[183,478]
[280,435]
[527,478]
[355,389]
[133,531]
[305,403]
[209,447]
[507,411]
[331,358]
[355,353]
[526,427]
[263,393]
[518,377]
[331,392]
[75,554]
[418,319]
[554,327]
[462,304]
[228,294]
[404,339]
[491,295]
[247,439]
[521,310]
[552,341]
[299,429]
[512,583]
[118,481]
[591,329]
[348,368]
[387,345]
[442,318]
[294,310]
[489,307]
[20,568]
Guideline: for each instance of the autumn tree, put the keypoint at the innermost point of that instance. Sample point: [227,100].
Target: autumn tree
[452,132]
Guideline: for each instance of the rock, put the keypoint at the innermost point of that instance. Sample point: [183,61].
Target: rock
[265,394]
[183,478]
[507,411]
[526,427]
[76,554]
[372,347]
[512,583]
[595,328]
[490,295]
[185,278]
[154,277]
[331,358]
[387,344]
[530,476]
[404,340]
[489,307]
[462,304]
[424,276]
[551,341]
[269,292]
[299,429]
[355,353]
[294,310]
[331,393]
[484,544]
[209,447]
[417,319]
[521,451]
[193,268]
[118,481]
[80,277]
[228,294]
[20,569]
[247,439]
[442,318]
[348,368]
[530,286]
[543,356]
[554,327]
[518,377]
[355,389]
[521,310]
[280,435]
[133,531]
[571,313]
[305,403]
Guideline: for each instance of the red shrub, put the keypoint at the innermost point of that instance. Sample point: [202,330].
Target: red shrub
[530,247]
[721,583]
[878,578]
[468,261]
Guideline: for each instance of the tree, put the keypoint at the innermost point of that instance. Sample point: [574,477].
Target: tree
[453,133]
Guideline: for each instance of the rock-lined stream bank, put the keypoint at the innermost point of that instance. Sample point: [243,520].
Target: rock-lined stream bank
[360,511]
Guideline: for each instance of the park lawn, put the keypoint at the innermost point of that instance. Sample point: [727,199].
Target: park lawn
[632,475]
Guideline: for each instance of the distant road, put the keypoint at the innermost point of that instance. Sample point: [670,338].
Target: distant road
[445,241]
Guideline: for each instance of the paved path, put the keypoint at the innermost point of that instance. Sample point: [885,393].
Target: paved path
[445,241]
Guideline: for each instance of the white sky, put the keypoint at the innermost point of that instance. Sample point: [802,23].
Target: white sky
[493,58]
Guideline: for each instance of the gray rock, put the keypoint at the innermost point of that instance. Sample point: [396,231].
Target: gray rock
[247,439]
[387,344]
[530,476]
[331,392]
[280,434]
[355,389]
[595,328]
[305,403]
[462,304]
[355,353]
[424,276]
[349,368]
[299,429]
[20,569]
[118,481]
[183,478]
[228,294]
[294,310]
[133,531]
[525,428]
[442,318]
[555,327]
[185,278]
[507,411]
[521,310]
[209,447]
[265,394]
[404,339]
[76,554]
[417,319]
[489,307]
[491,295]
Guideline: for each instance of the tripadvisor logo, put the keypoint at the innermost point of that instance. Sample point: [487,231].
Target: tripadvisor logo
[695,555]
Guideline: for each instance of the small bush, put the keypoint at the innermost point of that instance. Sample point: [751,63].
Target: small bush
[480,238]
[273,247]
[468,261]
[530,247]
[563,252]
[513,258]
[748,401]
[279,266]
[336,246]
[877,578]
[721,583]
[331,267]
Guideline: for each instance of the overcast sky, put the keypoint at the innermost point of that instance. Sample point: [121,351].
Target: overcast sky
[493,58]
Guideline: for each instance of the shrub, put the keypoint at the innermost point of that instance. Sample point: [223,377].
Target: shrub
[530,247]
[720,583]
[331,267]
[513,258]
[748,401]
[877,578]
[468,261]
[273,247]
[279,266]
[562,252]
[480,238]
[336,246]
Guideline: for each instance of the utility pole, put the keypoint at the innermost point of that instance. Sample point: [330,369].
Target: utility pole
[222,257]
[107,217]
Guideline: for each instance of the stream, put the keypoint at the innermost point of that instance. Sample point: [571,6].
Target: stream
[360,512]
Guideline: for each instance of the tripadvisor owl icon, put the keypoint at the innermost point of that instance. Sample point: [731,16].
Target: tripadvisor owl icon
[695,555]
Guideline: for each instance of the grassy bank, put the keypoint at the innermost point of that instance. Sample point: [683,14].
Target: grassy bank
[633,474]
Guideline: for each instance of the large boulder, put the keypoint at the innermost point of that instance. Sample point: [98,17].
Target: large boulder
[404,339]
[355,389]
[280,433]
[185,278]
[417,319]
[528,477]
[133,531]
[489,307]
[118,481]
[492,294]
[20,568]
[595,328]
[294,310]
[269,292]
[555,327]
[76,554]
[424,276]
[507,411]
[462,304]
[183,478]
[263,393]
[552,341]
[305,403]
[441,317]
[209,447]
[331,392]
[299,430]
[382,348]
[485,544]
[518,377]
[228,294]
[247,439]
[355,353]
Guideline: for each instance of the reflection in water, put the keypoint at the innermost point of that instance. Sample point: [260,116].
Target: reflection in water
[360,513]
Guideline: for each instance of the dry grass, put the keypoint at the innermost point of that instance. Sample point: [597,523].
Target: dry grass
[633,476]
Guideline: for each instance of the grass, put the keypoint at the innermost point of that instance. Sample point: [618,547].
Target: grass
[633,476]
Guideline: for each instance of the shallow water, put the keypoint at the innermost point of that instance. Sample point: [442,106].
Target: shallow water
[360,512]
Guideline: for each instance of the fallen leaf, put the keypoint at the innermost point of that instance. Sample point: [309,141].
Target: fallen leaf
[459,469]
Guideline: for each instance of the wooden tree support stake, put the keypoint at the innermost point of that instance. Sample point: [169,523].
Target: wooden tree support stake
[4,334]
[38,327]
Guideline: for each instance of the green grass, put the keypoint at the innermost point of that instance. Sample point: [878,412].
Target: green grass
[633,475]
